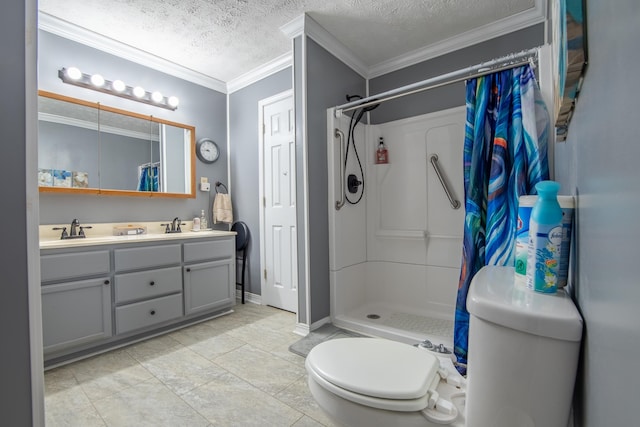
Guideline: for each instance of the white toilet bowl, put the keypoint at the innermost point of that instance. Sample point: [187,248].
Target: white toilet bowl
[376,382]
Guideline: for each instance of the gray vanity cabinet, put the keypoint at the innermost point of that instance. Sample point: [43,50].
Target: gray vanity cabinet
[211,284]
[96,297]
[145,294]
[76,299]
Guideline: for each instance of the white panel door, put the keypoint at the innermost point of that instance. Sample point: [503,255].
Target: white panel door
[280,273]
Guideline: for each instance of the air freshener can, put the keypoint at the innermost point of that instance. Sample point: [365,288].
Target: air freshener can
[525,204]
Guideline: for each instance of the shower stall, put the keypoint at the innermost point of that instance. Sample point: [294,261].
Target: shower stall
[395,255]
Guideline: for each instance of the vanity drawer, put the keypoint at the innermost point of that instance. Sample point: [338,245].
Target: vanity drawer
[67,266]
[212,249]
[146,313]
[145,257]
[147,284]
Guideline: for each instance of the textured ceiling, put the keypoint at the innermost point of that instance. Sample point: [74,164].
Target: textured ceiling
[224,39]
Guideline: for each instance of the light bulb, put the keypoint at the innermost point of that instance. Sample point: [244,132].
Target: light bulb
[157,97]
[138,92]
[118,86]
[73,73]
[173,101]
[97,80]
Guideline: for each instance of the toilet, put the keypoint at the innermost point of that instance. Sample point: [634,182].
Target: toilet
[523,355]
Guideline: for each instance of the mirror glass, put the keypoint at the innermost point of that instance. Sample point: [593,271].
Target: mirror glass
[68,150]
[91,148]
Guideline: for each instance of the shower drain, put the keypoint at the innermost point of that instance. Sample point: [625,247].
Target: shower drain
[373,316]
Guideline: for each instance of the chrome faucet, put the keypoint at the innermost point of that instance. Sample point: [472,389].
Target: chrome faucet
[174,226]
[74,228]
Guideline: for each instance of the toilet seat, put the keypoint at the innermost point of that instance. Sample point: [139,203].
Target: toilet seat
[363,371]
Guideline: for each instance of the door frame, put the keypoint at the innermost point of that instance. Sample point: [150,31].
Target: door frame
[261,199]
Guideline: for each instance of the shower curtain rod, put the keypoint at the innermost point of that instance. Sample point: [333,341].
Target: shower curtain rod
[479,70]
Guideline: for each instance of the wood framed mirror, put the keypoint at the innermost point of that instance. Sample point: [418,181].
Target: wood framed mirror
[89,148]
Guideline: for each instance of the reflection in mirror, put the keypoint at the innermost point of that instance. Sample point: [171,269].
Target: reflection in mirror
[99,149]
[67,144]
[128,153]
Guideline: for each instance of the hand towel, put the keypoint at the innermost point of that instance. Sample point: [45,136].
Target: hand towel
[222,209]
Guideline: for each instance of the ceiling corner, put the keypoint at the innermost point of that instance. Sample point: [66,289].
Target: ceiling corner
[535,15]
[278,64]
[81,35]
[325,39]
[295,27]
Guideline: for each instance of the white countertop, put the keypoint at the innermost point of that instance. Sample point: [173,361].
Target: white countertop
[102,234]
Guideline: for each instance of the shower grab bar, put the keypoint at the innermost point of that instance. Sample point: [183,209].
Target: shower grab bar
[340,203]
[455,204]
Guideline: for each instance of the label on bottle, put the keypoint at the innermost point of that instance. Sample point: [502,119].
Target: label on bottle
[522,242]
[382,156]
[544,256]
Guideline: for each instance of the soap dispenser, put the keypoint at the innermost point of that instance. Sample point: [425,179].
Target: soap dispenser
[204,224]
[382,155]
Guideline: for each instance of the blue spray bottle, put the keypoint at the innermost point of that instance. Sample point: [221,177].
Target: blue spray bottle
[545,239]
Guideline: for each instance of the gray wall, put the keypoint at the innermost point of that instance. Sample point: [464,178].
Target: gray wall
[447,96]
[243,134]
[15,370]
[599,163]
[328,82]
[200,107]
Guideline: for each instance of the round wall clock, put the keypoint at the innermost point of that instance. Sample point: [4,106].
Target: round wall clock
[207,150]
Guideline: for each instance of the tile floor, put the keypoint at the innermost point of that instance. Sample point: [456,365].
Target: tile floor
[235,370]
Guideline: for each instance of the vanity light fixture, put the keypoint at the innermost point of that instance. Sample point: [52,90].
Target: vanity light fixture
[74,76]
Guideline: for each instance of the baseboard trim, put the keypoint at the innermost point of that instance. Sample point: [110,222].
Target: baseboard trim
[301,329]
[317,324]
[249,297]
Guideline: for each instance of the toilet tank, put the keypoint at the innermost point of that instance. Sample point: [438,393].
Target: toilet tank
[523,353]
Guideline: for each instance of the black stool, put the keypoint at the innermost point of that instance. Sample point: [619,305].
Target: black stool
[242,242]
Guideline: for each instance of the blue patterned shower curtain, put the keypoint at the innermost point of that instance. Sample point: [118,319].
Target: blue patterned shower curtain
[505,155]
[147,178]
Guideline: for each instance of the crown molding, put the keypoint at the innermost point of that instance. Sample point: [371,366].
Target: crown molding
[504,26]
[304,24]
[81,35]
[295,27]
[259,73]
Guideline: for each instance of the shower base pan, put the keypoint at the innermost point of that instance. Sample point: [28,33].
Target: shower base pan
[389,322]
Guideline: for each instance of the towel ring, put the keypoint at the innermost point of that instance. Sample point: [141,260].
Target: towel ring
[219,184]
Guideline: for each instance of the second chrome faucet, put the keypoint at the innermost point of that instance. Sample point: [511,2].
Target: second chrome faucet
[173,226]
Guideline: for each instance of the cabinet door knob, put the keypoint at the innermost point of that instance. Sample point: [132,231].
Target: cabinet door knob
[106,282]
[152,283]
[152,312]
[188,270]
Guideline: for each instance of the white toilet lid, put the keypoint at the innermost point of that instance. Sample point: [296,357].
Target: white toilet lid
[375,367]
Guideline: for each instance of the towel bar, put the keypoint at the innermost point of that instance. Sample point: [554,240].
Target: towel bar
[219,184]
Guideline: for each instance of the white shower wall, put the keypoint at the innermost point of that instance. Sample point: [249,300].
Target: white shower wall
[400,247]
